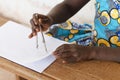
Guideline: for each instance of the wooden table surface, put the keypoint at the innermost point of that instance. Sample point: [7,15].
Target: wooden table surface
[89,70]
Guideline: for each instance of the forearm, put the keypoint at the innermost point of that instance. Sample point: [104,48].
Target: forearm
[105,53]
[63,11]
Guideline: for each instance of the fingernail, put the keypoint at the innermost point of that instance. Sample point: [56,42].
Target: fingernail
[56,56]
[39,20]
[30,36]
[34,34]
[64,62]
[54,53]
[37,30]
[35,23]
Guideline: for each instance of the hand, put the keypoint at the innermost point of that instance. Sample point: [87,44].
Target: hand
[74,53]
[37,21]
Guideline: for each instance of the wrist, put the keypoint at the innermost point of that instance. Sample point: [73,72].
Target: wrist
[93,53]
[51,20]
[98,53]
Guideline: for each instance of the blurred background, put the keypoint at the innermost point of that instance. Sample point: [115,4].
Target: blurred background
[22,10]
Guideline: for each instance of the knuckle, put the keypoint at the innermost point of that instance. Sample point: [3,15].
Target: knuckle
[65,45]
[75,55]
[35,14]
[31,20]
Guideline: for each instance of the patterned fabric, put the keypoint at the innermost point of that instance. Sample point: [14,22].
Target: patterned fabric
[106,32]
[73,33]
[107,23]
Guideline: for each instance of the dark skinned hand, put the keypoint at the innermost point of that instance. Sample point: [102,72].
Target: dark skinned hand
[71,53]
[37,21]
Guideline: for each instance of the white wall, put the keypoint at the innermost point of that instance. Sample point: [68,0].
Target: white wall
[22,10]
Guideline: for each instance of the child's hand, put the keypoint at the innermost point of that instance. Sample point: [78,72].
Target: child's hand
[37,21]
[73,53]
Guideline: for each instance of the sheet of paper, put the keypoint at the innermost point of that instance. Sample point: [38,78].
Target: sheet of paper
[16,46]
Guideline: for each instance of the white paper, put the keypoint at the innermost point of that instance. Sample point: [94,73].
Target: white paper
[16,46]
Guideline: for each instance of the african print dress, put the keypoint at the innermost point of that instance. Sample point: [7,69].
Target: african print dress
[105,33]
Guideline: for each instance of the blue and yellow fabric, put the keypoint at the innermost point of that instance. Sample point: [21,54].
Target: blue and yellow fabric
[106,32]
[73,33]
[107,23]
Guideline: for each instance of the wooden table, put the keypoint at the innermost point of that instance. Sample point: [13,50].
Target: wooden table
[90,70]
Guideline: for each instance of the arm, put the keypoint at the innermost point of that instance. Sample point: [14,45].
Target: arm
[75,53]
[60,13]
[63,11]
[105,53]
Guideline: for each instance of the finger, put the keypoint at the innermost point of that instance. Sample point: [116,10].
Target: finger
[36,23]
[62,54]
[58,51]
[31,35]
[62,47]
[64,62]
[70,59]
[34,32]
[45,20]
[36,15]
[76,54]
[65,54]
[44,28]
[33,28]
[55,53]
[43,25]
[36,18]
